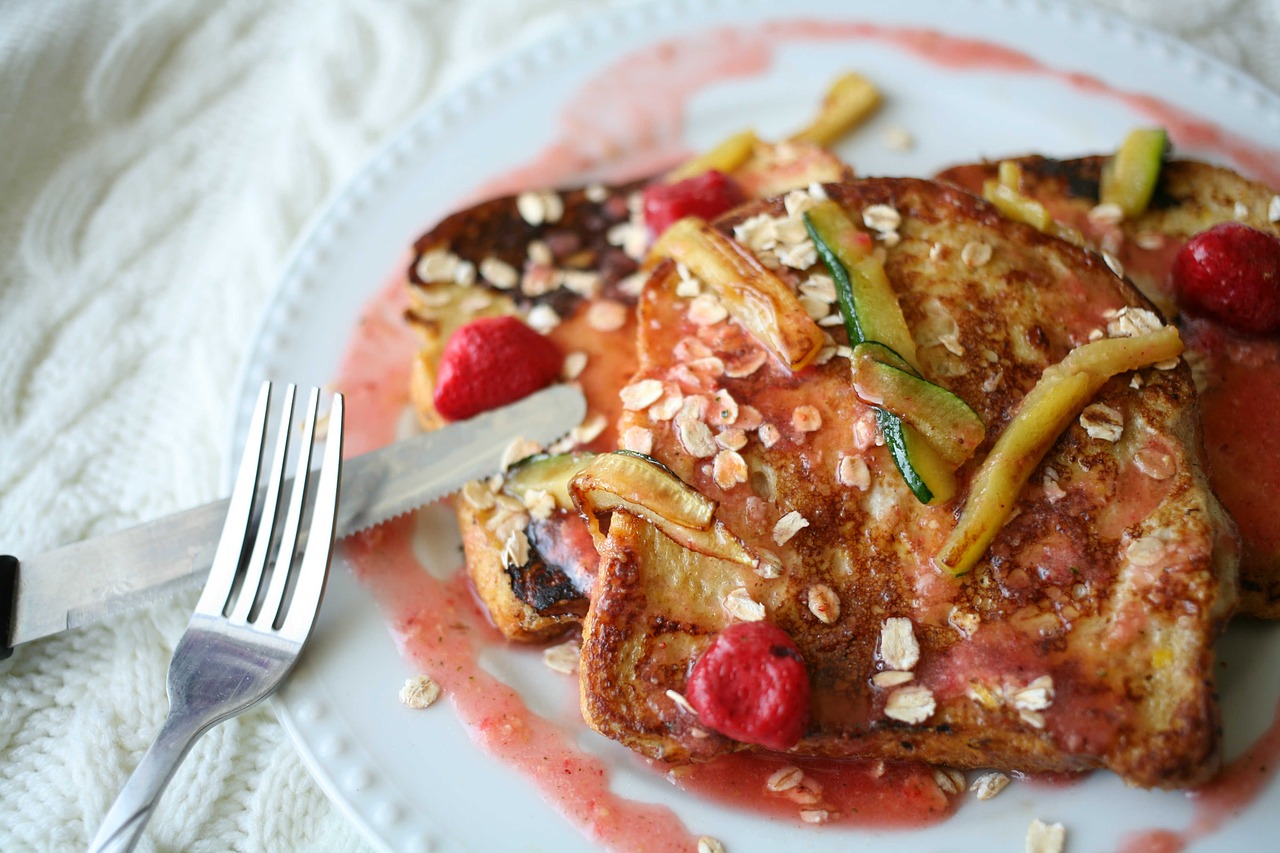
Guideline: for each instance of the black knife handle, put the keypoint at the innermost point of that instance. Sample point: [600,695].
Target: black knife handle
[8,601]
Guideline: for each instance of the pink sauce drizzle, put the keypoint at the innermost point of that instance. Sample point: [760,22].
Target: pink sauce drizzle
[631,115]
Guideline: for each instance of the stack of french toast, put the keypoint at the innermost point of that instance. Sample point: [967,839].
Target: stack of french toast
[945,435]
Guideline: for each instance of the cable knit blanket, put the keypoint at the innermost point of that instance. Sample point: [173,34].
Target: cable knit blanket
[159,159]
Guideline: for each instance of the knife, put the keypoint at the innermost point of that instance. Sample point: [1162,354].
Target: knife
[86,581]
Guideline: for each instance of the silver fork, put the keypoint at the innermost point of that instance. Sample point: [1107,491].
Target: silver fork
[257,608]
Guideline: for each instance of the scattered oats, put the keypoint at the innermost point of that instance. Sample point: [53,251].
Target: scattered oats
[1167,364]
[1149,240]
[442,265]
[1155,464]
[585,283]
[631,237]
[478,494]
[1052,490]
[729,469]
[823,602]
[797,202]
[596,193]
[759,233]
[1241,210]
[607,315]
[419,692]
[563,658]
[1036,696]
[589,430]
[540,253]
[538,207]
[832,319]
[816,308]
[740,605]
[768,565]
[689,285]
[519,448]
[1102,422]
[912,704]
[853,471]
[574,363]
[769,435]
[799,255]
[789,525]
[707,844]
[1145,551]
[1273,209]
[632,285]
[898,646]
[784,779]
[1107,213]
[865,433]
[815,815]
[975,253]
[515,551]
[723,410]
[1096,335]
[983,695]
[949,780]
[806,419]
[818,191]
[882,218]
[898,138]
[892,678]
[825,354]
[889,238]
[937,252]
[1131,322]
[1032,718]
[1113,263]
[694,407]
[746,364]
[940,326]
[733,438]
[637,439]
[641,395]
[707,310]
[1046,838]
[992,382]
[475,303]
[667,408]
[819,286]
[696,437]
[542,318]
[988,785]
[540,503]
[681,702]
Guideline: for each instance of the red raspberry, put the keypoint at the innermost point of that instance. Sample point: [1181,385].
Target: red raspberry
[490,362]
[751,685]
[1231,273]
[706,196]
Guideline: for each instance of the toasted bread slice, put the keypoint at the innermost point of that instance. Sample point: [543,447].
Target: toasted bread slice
[1231,370]
[1084,637]
[566,262]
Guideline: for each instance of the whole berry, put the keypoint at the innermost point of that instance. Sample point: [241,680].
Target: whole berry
[1231,273]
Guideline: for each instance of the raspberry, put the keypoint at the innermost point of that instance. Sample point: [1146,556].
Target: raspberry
[751,685]
[706,196]
[492,361]
[1231,273]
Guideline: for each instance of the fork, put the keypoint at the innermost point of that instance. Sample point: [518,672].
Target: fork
[257,608]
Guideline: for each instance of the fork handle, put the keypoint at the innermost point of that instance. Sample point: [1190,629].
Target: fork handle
[129,814]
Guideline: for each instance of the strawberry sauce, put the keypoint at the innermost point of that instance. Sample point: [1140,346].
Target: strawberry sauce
[628,120]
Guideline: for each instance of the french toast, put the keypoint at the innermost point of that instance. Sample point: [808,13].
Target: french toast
[1084,636]
[566,262]
[1231,370]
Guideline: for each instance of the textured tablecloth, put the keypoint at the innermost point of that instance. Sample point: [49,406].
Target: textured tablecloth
[157,161]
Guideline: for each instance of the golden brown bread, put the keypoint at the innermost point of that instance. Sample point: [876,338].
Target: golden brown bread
[1190,197]
[569,272]
[1083,639]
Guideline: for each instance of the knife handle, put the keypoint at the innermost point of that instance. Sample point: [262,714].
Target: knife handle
[8,601]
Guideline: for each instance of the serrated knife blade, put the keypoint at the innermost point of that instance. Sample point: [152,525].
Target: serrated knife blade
[87,581]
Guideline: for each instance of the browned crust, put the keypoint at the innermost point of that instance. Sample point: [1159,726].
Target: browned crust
[1190,197]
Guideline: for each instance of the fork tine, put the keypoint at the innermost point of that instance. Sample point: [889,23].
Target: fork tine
[231,544]
[267,517]
[270,603]
[314,571]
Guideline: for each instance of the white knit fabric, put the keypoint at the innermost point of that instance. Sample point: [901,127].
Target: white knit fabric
[157,160]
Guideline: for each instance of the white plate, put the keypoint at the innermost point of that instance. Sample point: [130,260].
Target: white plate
[413,780]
